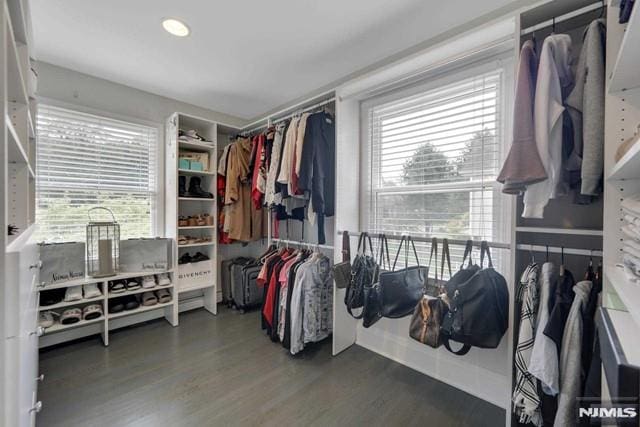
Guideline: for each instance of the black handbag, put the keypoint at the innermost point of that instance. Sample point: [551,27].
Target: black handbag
[371,311]
[478,306]
[362,271]
[401,290]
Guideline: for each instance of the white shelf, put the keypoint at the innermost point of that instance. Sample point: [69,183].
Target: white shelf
[17,13]
[197,146]
[628,291]
[15,149]
[625,73]
[193,245]
[140,309]
[87,279]
[196,199]
[139,291]
[16,84]
[70,303]
[60,327]
[567,231]
[199,173]
[195,288]
[197,227]
[628,167]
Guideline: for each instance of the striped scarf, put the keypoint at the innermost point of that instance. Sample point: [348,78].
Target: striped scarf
[525,394]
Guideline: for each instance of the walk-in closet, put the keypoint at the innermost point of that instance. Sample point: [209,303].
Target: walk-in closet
[320,213]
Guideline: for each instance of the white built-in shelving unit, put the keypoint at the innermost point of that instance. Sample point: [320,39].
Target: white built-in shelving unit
[186,205]
[19,270]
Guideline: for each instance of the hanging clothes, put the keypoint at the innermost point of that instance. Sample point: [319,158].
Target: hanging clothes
[572,373]
[317,167]
[554,80]
[544,355]
[586,107]
[274,162]
[245,219]
[525,395]
[523,165]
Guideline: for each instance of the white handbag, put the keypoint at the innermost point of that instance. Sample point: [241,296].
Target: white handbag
[139,255]
[62,262]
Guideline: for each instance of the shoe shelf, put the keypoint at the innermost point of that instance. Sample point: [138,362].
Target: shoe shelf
[138,291]
[196,199]
[184,289]
[140,309]
[88,280]
[192,172]
[197,227]
[75,303]
[194,245]
[58,327]
[197,146]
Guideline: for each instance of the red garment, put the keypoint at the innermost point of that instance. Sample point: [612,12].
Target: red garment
[268,309]
[258,170]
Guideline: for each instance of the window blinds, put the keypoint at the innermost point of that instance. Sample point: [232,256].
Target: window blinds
[434,156]
[84,161]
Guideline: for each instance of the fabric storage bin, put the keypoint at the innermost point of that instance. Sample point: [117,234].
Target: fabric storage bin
[62,262]
[195,274]
[140,255]
[196,166]
[184,163]
[192,156]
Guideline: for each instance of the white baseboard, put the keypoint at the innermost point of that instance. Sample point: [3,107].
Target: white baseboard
[454,370]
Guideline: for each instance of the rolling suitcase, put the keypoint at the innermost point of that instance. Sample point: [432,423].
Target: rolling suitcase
[225,278]
[252,295]
[238,292]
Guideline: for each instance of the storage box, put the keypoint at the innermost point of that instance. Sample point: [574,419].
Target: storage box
[184,163]
[193,156]
[196,166]
[62,262]
[139,255]
[195,275]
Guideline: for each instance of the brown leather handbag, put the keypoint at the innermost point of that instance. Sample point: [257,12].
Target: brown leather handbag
[429,312]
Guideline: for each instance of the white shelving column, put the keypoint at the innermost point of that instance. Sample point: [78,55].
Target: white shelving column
[186,205]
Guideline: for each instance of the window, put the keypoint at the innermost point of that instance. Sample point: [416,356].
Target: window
[434,152]
[84,161]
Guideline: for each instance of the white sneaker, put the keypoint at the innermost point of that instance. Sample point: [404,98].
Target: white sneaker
[148,282]
[163,279]
[73,293]
[45,319]
[91,290]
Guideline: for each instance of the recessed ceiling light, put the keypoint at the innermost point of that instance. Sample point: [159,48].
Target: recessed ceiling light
[175,27]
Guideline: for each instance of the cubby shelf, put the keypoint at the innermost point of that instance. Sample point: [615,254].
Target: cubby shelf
[140,309]
[197,146]
[628,291]
[197,227]
[138,291]
[193,245]
[63,304]
[625,74]
[192,172]
[58,327]
[628,167]
[87,279]
[196,199]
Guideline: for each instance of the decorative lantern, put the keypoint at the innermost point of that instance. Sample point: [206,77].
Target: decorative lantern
[103,246]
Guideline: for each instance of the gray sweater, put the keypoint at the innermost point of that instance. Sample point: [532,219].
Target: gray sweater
[571,369]
[586,107]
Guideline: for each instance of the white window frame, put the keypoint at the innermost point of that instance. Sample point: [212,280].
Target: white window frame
[502,207]
[157,212]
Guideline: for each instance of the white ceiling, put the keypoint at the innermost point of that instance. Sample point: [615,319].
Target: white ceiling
[243,57]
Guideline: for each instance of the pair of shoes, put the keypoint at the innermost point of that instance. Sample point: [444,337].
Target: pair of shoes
[46,318]
[163,279]
[129,302]
[189,240]
[152,298]
[195,220]
[199,256]
[75,314]
[190,135]
[195,188]
[148,281]
[77,293]
[52,296]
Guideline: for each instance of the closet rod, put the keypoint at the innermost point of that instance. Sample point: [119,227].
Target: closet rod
[565,17]
[299,243]
[559,250]
[296,108]
[428,239]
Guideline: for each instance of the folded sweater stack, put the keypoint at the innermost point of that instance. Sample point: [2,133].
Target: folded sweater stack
[631,231]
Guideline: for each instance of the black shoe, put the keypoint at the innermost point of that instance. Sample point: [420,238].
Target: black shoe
[185,259]
[199,256]
[195,190]
[116,305]
[130,302]
[182,186]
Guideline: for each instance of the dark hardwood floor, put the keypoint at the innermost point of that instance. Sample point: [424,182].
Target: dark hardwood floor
[221,371]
